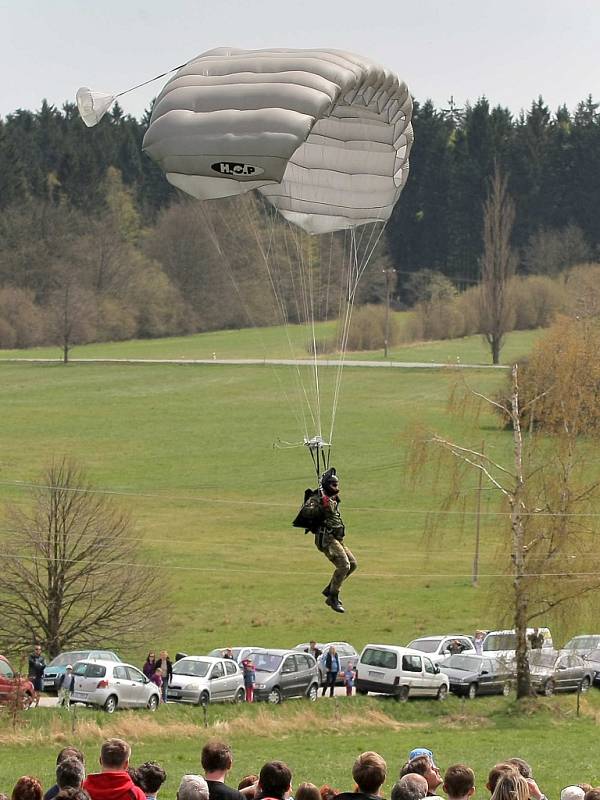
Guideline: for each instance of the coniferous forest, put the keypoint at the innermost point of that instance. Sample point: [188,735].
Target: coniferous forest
[89,224]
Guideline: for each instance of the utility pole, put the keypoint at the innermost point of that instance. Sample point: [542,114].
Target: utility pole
[475,578]
[388,280]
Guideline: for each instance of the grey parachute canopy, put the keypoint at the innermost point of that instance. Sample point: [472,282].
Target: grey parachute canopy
[324,135]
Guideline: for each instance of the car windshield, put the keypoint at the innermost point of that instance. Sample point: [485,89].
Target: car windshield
[266,662]
[68,658]
[425,645]
[582,643]
[539,659]
[465,663]
[500,641]
[188,666]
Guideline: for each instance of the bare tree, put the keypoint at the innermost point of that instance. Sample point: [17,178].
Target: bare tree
[71,577]
[551,501]
[498,264]
[71,313]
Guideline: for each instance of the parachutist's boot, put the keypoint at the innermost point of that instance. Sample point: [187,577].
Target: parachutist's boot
[333,601]
[326,590]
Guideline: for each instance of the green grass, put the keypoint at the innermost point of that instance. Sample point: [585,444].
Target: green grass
[321,741]
[273,343]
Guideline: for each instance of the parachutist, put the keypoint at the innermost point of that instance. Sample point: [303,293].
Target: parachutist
[321,516]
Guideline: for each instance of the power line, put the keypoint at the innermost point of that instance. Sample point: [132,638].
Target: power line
[271,504]
[245,571]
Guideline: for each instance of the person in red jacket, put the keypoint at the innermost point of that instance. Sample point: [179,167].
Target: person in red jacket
[113,783]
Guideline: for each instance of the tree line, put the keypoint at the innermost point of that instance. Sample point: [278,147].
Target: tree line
[95,244]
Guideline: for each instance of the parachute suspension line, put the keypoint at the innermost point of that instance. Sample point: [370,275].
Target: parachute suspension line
[280,304]
[231,274]
[356,269]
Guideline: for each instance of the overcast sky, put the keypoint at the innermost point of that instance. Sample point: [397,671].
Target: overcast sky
[511,51]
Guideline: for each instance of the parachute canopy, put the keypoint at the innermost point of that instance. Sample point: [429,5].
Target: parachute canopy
[93,105]
[324,135]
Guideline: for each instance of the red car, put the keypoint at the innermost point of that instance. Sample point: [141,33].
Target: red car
[14,687]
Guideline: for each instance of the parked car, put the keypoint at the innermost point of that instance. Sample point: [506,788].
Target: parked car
[205,679]
[58,665]
[111,685]
[558,672]
[346,653]
[581,645]
[400,672]
[239,653]
[503,644]
[471,676]
[438,647]
[592,661]
[281,674]
[14,687]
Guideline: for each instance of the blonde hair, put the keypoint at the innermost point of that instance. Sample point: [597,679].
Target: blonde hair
[511,786]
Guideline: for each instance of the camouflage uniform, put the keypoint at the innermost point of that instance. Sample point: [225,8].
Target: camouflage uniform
[328,540]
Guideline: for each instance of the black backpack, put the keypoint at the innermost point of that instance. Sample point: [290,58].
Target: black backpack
[312,514]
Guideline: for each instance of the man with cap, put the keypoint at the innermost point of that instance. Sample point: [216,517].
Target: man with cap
[65,687]
[329,539]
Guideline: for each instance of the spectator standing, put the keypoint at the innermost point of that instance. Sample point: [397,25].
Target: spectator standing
[27,788]
[150,777]
[332,667]
[525,770]
[149,665]
[349,678]
[459,782]
[314,650]
[166,666]
[65,687]
[369,772]
[64,754]
[36,667]
[496,772]
[113,782]
[229,654]
[511,786]
[157,680]
[192,787]
[217,761]
[249,673]
[478,642]
[274,781]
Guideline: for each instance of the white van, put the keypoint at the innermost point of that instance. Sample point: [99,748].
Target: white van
[399,671]
[503,644]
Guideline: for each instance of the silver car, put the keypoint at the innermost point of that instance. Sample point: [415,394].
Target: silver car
[111,685]
[284,673]
[204,679]
[346,654]
[58,665]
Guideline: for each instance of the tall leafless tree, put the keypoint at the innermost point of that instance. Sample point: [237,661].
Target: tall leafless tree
[551,499]
[498,264]
[71,573]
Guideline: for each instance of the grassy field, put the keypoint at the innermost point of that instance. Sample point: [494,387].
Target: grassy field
[321,741]
[273,343]
[190,452]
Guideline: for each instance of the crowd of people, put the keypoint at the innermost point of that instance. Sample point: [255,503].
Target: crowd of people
[418,778]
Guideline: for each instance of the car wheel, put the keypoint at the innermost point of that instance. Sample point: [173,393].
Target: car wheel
[506,689]
[240,695]
[402,695]
[442,693]
[204,699]
[584,685]
[274,696]
[313,692]
[548,688]
[110,706]
[472,691]
[153,703]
